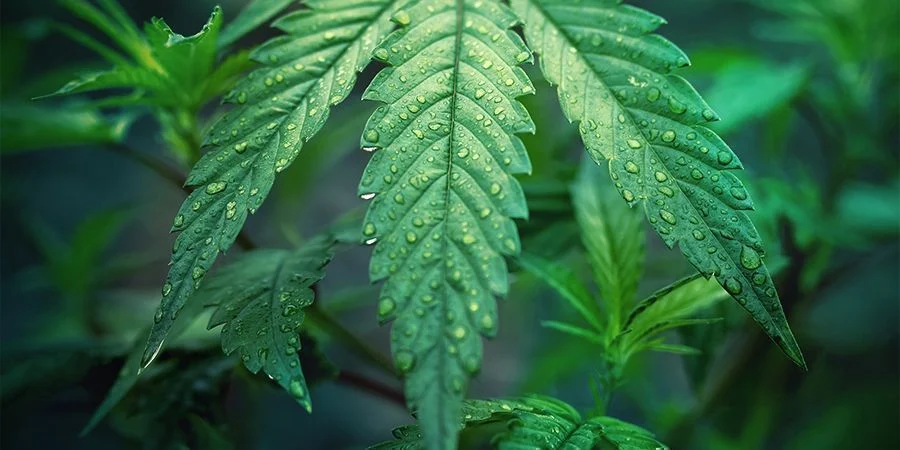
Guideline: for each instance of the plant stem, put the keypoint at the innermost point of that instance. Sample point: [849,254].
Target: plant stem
[322,320]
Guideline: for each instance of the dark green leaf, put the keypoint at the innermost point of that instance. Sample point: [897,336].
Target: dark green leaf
[645,125]
[260,299]
[444,196]
[280,106]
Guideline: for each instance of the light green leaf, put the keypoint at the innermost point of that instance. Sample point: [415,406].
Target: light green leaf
[643,123]
[567,284]
[681,299]
[252,16]
[613,235]
[166,69]
[444,197]
[31,127]
[574,330]
[260,299]
[186,61]
[280,106]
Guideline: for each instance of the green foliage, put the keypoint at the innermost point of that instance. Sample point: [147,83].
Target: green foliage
[618,327]
[444,198]
[279,107]
[645,124]
[27,127]
[251,17]
[172,74]
[260,299]
[537,422]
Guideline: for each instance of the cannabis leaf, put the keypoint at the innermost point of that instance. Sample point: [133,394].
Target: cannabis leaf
[613,78]
[443,192]
[280,106]
[613,237]
[260,298]
[549,423]
[537,421]
[173,74]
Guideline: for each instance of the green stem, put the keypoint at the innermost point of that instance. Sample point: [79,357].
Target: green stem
[321,320]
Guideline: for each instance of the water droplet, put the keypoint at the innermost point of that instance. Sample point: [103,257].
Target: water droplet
[628,195]
[709,115]
[215,187]
[738,193]
[297,389]
[725,157]
[242,98]
[166,289]
[495,188]
[468,239]
[698,235]
[381,54]
[668,136]
[653,94]
[405,361]
[197,273]
[372,136]
[631,167]
[411,237]
[402,18]
[696,174]
[676,106]
[661,177]
[634,143]
[668,217]
[759,279]
[369,229]
[750,258]
[386,306]
[733,286]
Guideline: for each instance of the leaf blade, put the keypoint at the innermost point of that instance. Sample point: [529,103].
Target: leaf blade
[233,178]
[443,193]
[678,170]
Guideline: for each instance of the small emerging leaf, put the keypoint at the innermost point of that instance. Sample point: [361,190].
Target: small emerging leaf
[567,284]
[613,235]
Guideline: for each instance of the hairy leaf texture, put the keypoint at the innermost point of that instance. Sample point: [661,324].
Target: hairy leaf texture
[443,192]
[260,299]
[279,107]
[645,124]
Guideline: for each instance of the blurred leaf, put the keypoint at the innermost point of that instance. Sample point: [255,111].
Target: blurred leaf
[870,210]
[131,369]
[260,299]
[567,284]
[574,330]
[750,89]
[613,235]
[256,13]
[209,437]
[30,127]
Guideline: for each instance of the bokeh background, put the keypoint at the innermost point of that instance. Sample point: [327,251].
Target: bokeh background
[808,93]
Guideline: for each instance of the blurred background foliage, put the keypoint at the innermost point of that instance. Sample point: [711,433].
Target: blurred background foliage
[808,93]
